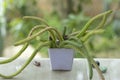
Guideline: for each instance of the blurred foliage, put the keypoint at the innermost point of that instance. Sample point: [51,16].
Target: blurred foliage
[20,8]
[15,10]
[19,28]
[2,27]
[75,22]
[116,27]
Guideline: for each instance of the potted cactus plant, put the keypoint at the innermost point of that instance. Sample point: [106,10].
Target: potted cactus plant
[65,43]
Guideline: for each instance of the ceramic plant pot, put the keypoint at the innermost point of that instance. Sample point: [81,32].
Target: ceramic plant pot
[61,58]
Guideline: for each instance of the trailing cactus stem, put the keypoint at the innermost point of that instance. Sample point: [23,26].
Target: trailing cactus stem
[15,56]
[90,21]
[98,69]
[22,50]
[36,18]
[102,22]
[88,35]
[37,34]
[76,45]
[27,62]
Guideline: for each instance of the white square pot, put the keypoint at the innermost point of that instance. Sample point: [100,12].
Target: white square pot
[61,58]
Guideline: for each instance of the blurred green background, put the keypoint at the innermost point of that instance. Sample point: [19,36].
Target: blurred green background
[59,13]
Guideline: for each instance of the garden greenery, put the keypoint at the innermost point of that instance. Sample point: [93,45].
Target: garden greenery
[57,39]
